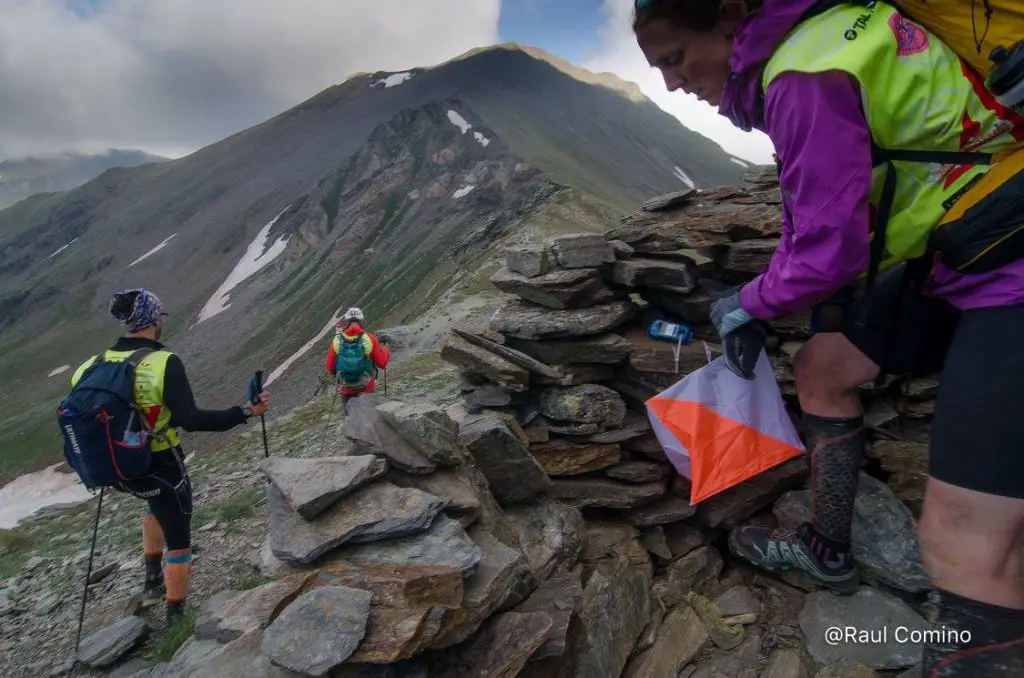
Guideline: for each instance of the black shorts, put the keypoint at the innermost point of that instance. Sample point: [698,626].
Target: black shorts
[168,491]
[977,432]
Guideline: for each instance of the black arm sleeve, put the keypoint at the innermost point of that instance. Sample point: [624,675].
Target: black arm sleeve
[184,412]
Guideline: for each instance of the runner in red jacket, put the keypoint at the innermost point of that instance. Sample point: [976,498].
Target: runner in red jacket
[375,352]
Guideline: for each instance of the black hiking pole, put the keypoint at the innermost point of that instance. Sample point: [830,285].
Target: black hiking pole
[254,397]
[88,575]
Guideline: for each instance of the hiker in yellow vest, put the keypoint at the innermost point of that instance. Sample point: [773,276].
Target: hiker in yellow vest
[163,393]
[838,86]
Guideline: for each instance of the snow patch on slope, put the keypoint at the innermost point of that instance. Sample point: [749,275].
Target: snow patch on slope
[681,175]
[27,494]
[61,249]
[153,251]
[393,79]
[739,162]
[58,370]
[463,125]
[459,121]
[283,367]
[464,191]
[254,259]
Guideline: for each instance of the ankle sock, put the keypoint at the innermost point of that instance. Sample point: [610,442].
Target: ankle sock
[834,555]
[837,450]
[154,569]
[974,639]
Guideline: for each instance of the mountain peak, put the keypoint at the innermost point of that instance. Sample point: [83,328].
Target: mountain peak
[624,87]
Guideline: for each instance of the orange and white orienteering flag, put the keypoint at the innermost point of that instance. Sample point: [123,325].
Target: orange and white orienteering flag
[719,429]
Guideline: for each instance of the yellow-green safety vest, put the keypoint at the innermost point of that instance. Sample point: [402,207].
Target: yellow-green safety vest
[149,392]
[917,95]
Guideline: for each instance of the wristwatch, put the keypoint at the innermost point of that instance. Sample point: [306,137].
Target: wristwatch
[247,411]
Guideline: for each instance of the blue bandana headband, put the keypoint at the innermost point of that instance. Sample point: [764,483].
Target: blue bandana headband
[146,309]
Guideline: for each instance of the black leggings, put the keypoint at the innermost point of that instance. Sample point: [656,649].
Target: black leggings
[168,491]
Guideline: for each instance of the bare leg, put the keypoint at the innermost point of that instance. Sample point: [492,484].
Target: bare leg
[970,545]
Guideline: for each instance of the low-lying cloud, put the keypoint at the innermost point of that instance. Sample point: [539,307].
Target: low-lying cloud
[620,54]
[170,76]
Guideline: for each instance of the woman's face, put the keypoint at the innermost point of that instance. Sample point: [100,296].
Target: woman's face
[697,63]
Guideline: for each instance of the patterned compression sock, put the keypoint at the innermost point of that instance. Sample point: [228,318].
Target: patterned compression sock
[837,448]
[973,638]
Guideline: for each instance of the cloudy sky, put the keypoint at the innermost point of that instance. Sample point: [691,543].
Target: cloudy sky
[170,76]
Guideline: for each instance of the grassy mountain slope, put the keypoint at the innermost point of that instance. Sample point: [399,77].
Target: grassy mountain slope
[23,177]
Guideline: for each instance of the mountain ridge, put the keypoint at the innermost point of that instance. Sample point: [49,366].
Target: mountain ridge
[426,176]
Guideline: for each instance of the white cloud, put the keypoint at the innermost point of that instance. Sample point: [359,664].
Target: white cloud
[619,54]
[172,75]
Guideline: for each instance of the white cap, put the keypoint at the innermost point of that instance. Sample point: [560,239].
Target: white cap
[353,314]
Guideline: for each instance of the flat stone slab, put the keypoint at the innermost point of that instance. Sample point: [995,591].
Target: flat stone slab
[639,471]
[559,289]
[679,276]
[319,631]
[373,513]
[616,607]
[559,597]
[469,357]
[528,260]
[311,486]
[373,435]
[104,647]
[681,638]
[444,543]
[861,628]
[592,492]
[505,460]
[426,427]
[502,579]
[582,250]
[586,404]
[501,649]
[523,320]
[668,510]
[559,457]
[250,610]
[604,348]
[402,586]
[551,535]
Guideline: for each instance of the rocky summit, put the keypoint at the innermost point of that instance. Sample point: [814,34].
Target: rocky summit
[534,527]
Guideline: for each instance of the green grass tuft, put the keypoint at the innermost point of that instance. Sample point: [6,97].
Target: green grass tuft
[170,640]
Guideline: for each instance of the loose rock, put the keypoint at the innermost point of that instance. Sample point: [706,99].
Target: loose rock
[551,535]
[591,492]
[584,250]
[373,513]
[512,472]
[319,631]
[104,647]
[867,611]
[560,457]
[681,637]
[528,260]
[884,535]
[523,320]
[311,486]
[559,598]
[426,427]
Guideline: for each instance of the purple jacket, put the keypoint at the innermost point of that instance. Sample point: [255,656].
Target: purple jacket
[821,135]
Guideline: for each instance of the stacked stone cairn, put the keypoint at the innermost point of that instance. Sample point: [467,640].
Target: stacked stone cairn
[536,529]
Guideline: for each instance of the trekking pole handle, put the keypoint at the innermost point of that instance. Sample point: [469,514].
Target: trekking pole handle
[256,387]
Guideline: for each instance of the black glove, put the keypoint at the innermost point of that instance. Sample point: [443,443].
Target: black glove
[742,347]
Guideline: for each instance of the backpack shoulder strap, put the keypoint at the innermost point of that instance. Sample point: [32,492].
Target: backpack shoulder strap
[137,356]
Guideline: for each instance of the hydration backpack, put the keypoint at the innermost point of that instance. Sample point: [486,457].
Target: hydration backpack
[352,366]
[106,435]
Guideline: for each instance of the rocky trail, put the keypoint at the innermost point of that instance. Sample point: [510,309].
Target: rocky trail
[533,527]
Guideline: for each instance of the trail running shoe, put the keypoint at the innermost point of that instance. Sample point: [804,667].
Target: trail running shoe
[784,549]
